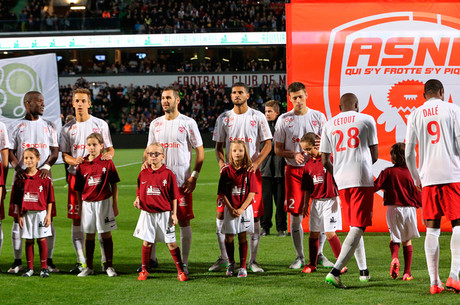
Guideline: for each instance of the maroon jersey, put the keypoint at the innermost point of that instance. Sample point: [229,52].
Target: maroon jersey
[398,186]
[94,179]
[317,180]
[32,193]
[157,189]
[236,185]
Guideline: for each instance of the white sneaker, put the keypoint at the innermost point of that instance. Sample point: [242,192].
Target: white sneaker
[242,272]
[111,272]
[298,263]
[364,276]
[28,273]
[220,263]
[15,269]
[323,261]
[85,272]
[254,266]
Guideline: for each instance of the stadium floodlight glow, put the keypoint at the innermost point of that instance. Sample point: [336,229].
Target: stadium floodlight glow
[142,41]
[72,1]
[78,8]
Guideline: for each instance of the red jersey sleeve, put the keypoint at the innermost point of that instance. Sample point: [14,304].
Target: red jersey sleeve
[174,191]
[50,188]
[307,183]
[380,182]
[113,176]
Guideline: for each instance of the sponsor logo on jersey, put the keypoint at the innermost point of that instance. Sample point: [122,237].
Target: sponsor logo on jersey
[289,120]
[95,129]
[318,179]
[30,197]
[40,188]
[295,140]
[171,145]
[34,145]
[238,190]
[153,190]
[244,139]
[79,147]
[94,180]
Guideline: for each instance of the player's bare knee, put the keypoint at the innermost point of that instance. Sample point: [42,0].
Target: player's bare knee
[172,246]
[314,235]
[90,236]
[407,243]
[184,223]
[229,238]
[220,215]
[106,235]
[242,237]
[330,235]
[147,244]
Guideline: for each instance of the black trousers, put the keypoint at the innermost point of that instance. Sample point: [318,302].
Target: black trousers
[273,190]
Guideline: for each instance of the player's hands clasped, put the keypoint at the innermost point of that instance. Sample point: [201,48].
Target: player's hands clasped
[173,220]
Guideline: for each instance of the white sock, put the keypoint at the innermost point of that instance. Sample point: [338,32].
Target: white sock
[297,235]
[77,239]
[1,237]
[50,240]
[153,252]
[254,239]
[348,247]
[185,242]
[101,244]
[455,250]
[360,255]
[322,239]
[221,238]
[432,254]
[16,240]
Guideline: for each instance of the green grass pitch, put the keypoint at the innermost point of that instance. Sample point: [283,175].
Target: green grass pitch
[278,285]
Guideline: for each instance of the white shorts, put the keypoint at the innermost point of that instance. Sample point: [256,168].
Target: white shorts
[235,225]
[155,227]
[325,215]
[402,223]
[97,216]
[34,225]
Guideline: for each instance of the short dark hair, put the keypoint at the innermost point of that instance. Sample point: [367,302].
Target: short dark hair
[241,84]
[175,91]
[296,86]
[29,95]
[273,104]
[309,137]
[433,86]
[397,153]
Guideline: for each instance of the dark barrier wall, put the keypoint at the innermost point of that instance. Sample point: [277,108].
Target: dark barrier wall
[140,140]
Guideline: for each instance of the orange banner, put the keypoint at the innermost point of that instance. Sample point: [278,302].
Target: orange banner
[381,51]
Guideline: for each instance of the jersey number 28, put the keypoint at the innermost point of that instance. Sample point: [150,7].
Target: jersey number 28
[352,141]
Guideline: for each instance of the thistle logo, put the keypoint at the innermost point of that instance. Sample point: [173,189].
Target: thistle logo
[385,59]
[16,80]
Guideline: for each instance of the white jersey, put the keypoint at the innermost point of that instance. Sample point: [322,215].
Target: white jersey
[250,127]
[177,137]
[348,136]
[40,134]
[4,138]
[290,128]
[73,137]
[436,127]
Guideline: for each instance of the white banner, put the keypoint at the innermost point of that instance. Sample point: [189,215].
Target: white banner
[252,80]
[20,75]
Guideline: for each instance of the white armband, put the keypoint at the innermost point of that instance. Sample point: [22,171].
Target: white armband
[46,166]
[195,174]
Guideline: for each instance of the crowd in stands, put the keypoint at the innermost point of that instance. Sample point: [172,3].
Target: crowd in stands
[148,66]
[151,16]
[130,109]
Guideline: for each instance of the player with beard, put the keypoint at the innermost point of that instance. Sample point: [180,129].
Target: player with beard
[251,126]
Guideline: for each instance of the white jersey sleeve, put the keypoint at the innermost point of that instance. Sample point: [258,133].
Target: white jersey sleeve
[219,134]
[435,126]
[4,139]
[348,137]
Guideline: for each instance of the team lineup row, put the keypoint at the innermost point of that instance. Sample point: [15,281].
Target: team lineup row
[350,137]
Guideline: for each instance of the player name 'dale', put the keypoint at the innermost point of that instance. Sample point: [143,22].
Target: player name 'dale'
[430,111]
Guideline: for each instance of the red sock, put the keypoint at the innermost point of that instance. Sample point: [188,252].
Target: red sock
[30,254]
[177,259]
[43,248]
[394,248]
[146,257]
[335,245]
[108,249]
[407,250]
[243,248]
[230,248]
[313,245]
[89,247]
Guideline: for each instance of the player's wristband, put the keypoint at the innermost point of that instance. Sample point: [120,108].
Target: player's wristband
[195,174]
[46,166]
